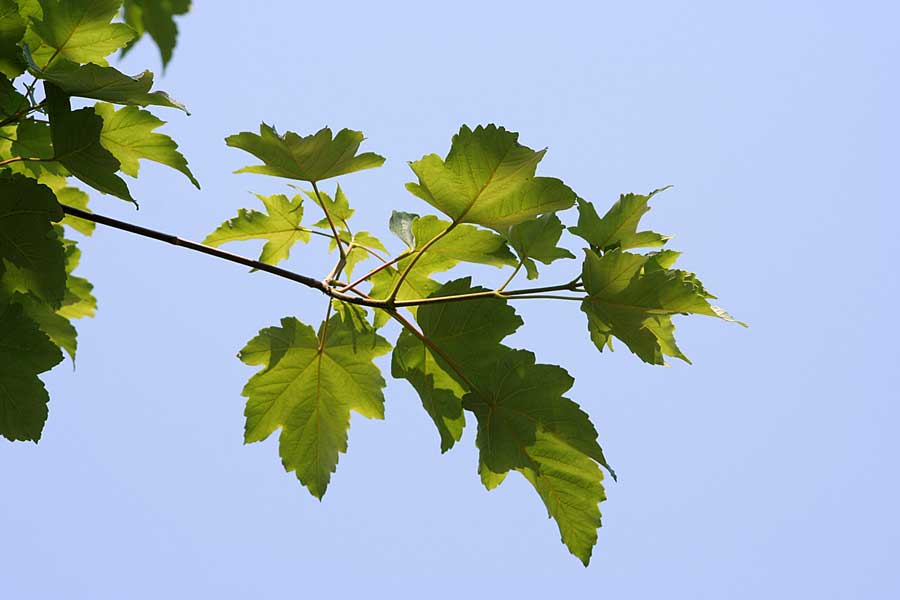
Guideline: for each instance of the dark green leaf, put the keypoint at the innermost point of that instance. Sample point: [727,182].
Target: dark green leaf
[27,238]
[12,28]
[526,424]
[24,353]
[488,179]
[156,17]
[469,333]
[76,143]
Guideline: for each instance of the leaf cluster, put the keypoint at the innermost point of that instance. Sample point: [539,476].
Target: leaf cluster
[494,209]
[69,119]
[51,53]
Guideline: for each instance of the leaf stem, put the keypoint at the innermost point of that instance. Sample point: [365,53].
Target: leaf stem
[431,345]
[396,288]
[328,288]
[334,232]
[377,269]
[511,277]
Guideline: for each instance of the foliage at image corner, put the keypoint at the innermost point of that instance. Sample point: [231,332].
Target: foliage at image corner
[492,208]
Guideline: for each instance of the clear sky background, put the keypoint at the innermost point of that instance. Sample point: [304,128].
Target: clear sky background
[765,470]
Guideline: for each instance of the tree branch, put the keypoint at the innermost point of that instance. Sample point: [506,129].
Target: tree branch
[324,286]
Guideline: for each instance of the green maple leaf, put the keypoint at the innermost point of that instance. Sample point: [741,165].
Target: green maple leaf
[76,144]
[27,238]
[488,179]
[103,83]
[157,18]
[128,133]
[311,158]
[536,240]
[338,207]
[468,333]
[635,304]
[12,28]
[308,390]
[362,245]
[618,227]
[80,30]
[279,225]
[25,352]
[526,424]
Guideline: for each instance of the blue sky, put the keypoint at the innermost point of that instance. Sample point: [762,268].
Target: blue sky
[763,470]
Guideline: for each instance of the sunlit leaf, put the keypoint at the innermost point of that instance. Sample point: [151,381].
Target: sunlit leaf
[488,179]
[311,158]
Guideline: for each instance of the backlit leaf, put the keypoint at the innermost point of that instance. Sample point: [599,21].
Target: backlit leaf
[129,134]
[80,30]
[536,240]
[279,225]
[488,179]
[311,158]
[618,227]
[308,391]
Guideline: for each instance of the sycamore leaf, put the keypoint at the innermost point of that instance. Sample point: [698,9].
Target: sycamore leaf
[27,238]
[25,352]
[526,424]
[79,301]
[308,390]
[129,134]
[311,158]
[80,30]
[338,207]
[157,18]
[12,28]
[618,227]
[488,179]
[536,240]
[468,333]
[104,83]
[400,225]
[635,304]
[76,144]
[279,225]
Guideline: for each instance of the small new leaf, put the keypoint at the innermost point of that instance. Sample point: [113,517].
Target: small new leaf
[488,179]
[279,225]
[311,158]
[400,225]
